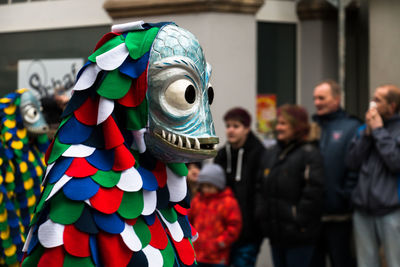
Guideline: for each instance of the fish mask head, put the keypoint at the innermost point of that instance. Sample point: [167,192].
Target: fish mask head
[31,113]
[179,93]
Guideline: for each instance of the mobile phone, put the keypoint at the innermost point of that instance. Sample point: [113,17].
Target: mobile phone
[372,104]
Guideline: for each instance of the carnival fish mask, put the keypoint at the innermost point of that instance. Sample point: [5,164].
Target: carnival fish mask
[115,191]
[181,128]
[31,112]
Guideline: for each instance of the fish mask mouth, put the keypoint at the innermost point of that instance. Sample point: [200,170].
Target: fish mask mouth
[192,144]
[180,148]
[38,130]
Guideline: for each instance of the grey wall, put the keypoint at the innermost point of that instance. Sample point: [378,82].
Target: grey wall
[384,43]
[318,57]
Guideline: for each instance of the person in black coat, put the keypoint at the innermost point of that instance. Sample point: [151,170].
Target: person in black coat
[290,190]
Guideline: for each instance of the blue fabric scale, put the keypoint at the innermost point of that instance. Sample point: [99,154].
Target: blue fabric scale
[80,189]
[185,225]
[102,159]
[74,132]
[149,180]
[134,68]
[110,223]
[86,223]
[58,170]
[150,219]
[162,198]
[138,259]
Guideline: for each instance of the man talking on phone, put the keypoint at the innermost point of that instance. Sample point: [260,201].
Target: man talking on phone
[375,154]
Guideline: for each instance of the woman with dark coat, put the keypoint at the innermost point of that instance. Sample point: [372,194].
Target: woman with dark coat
[289,190]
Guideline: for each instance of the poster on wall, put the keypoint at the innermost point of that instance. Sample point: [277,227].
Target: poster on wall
[266,113]
[48,76]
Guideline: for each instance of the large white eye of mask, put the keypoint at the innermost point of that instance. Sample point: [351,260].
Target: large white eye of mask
[31,114]
[181,94]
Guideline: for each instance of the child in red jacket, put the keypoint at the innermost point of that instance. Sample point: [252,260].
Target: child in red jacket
[215,214]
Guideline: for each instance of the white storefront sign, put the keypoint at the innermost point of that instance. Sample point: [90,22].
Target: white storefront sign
[48,76]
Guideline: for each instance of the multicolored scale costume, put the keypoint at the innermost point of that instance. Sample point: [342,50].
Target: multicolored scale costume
[115,189]
[23,144]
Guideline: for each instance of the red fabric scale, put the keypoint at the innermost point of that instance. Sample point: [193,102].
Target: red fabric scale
[136,93]
[48,152]
[123,158]
[112,134]
[87,113]
[76,242]
[53,257]
[80,168]
[181,210]
[194,231]
[159,238]
[107,200]
[131,221]
[185,251]
[113,251]
[160,172]
[106,37]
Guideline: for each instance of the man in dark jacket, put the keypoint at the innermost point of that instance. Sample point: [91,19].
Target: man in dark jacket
[375,153]
[336,129]
[240,158]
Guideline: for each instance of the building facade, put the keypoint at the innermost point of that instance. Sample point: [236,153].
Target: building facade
[281,47]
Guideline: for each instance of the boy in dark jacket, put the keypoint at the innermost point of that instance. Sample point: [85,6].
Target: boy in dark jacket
[215,214]
[240,158]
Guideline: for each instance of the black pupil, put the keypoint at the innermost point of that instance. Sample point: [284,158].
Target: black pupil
[190,94]
[210,95]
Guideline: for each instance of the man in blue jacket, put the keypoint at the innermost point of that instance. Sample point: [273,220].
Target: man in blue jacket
[375,153]
[336,129]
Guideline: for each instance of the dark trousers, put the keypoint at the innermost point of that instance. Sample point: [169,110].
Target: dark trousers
[334,242]
[292,257]
[245,255]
